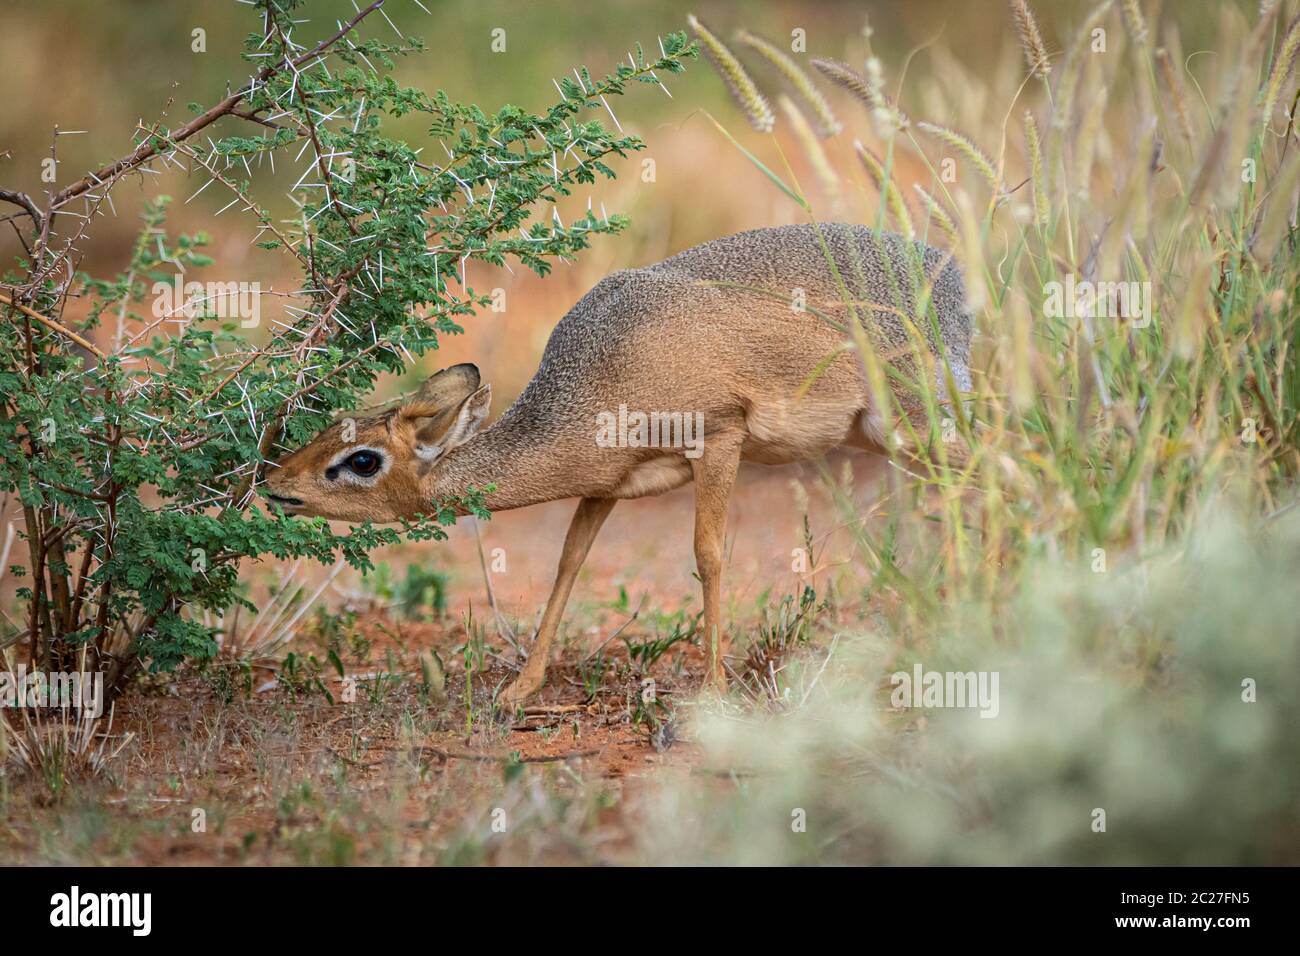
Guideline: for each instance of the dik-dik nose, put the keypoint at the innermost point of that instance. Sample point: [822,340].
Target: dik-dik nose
[280,493]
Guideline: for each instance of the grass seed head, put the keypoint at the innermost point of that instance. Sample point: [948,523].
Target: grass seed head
[827,124]
[743,89]
[1031,40]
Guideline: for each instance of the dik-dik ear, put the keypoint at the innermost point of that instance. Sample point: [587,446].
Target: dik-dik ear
[435,435]
[449,387]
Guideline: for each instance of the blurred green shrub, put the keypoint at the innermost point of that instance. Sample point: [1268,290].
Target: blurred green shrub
[1167,696]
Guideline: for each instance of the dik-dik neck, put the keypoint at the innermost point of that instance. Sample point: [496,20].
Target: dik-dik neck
[512,456]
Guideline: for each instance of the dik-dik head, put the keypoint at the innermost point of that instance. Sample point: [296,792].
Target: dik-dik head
[380,467]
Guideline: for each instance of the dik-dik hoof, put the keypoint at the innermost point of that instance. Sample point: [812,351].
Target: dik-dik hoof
[523,687]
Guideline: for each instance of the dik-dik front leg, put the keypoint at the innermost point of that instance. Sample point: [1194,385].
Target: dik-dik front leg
[591,514]
[715,475]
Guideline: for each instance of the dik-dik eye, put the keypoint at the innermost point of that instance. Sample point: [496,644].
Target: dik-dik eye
[364,463]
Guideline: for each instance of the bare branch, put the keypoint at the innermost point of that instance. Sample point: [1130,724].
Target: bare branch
[51,324]
[25,201]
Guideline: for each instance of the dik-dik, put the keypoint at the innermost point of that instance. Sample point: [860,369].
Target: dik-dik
[747,335]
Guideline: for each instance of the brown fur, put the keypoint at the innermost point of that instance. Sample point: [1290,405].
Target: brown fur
[711,330]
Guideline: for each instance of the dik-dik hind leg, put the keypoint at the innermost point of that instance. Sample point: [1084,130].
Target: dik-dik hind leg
[591,514]
[715,475]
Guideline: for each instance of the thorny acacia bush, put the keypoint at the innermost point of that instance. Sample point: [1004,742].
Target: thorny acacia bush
[133,441]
